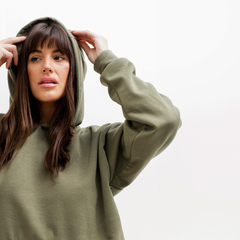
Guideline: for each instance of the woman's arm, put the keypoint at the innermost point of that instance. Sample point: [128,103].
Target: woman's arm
[151,124]
[8,50]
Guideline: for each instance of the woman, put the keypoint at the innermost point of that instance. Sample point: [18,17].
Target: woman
[40,136]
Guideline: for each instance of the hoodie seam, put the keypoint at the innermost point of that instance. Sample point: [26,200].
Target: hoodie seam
[131,151]
[127,165]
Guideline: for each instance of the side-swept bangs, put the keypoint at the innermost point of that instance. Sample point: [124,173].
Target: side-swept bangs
[50,34]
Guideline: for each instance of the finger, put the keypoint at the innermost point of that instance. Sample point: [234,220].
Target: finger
[85,47]
[13,50]
[13,40]
[9,60]
[80,36]
[85,34]
[5,56]
[86,40]
[2,61]
[1,55]
[89,43]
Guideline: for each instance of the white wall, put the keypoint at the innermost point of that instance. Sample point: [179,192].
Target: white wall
[190,51]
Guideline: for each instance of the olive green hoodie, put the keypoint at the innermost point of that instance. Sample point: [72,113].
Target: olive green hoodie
[104,160]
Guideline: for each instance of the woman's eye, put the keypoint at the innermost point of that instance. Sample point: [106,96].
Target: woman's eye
[59,58]
[34,59]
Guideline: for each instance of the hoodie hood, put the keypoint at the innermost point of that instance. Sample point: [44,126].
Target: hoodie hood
[81,68]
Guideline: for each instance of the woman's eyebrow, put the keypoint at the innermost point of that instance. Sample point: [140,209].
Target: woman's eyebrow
[35,51]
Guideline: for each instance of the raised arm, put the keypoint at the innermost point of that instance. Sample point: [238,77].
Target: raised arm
[151,121]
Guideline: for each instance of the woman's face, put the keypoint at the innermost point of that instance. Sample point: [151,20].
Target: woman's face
[48,73]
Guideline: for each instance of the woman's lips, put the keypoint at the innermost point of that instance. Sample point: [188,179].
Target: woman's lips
[47,82]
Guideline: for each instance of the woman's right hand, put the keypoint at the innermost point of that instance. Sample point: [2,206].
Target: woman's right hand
[8,50]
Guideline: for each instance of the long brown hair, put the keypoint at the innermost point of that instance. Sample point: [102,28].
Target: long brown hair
[23,116]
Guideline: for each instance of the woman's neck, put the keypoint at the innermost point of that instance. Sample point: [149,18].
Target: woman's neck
[46,111]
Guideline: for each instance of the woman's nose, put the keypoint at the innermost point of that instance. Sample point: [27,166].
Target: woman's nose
[47,66]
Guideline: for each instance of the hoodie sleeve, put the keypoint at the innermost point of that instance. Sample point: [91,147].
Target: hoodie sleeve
[151,120]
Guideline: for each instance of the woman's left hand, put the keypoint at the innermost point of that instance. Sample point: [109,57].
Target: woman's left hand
[98,43]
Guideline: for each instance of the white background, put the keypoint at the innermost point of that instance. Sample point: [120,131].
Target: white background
[190,51]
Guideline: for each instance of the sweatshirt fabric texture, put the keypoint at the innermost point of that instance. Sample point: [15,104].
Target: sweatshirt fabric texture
[104,159]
